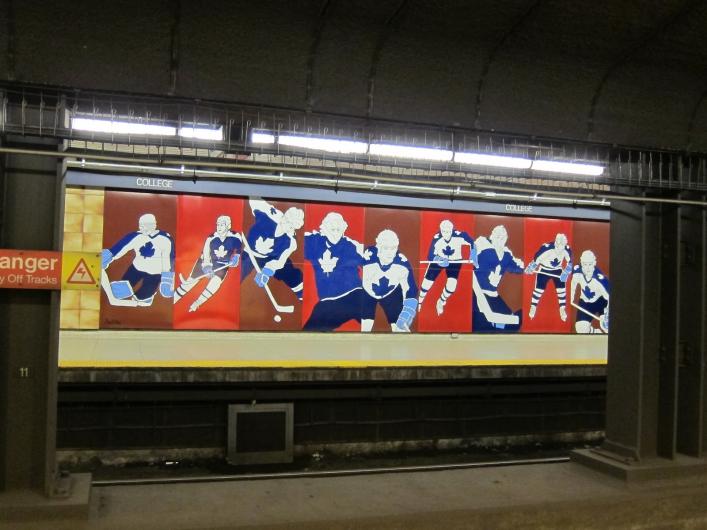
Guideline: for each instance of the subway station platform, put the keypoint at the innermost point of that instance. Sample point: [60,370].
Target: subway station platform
[550,496]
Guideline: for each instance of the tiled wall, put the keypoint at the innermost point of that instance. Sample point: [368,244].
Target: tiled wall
[83,232]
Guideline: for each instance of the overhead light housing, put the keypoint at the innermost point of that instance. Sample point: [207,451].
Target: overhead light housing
[258,137]
[202,132]
[111,126]
[481,159]
[330,145]
[408,151]
[567,167]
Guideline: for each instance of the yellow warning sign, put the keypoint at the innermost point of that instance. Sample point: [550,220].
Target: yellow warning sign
[80,270]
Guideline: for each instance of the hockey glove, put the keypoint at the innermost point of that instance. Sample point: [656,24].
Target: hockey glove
[208,269]
[106,258]
[167,284]
[407,314]
[565,273]
[530,269]
[442,261]
[262,278]
[474,257]
[604,322]
[233,262]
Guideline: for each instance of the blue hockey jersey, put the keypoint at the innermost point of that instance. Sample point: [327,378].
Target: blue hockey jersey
[336,265]
[381,280]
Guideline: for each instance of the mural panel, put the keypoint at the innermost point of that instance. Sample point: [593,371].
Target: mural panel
[138,260]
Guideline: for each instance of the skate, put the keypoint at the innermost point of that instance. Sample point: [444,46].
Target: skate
[563,313]
[440,306]
[531,313]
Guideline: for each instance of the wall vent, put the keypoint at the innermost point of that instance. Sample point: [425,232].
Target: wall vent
[260,433]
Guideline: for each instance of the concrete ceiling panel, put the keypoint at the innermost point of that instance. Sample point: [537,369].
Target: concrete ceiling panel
[249,52]
[120,45]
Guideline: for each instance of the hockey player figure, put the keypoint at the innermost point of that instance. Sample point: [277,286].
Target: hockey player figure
[446,253]
[490,312]
[551,263]
[270,242]
[594,290]
[388,280]
[151,267]
[221,252]
[336,260]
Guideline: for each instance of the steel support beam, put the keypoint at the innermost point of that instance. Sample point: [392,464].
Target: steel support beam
[656,420]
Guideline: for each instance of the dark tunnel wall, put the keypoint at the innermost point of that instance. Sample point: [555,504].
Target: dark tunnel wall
[630,72]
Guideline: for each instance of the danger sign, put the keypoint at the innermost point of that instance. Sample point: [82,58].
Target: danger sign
[29,269]
[81,274]
[80,270]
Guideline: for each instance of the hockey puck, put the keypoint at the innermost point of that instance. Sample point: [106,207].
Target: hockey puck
[277,318]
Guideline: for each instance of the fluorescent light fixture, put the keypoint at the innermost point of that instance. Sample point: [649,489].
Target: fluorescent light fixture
[567,167]
[201,133]
[407,151]
[262,138]
[121,127]
[492,160]
[324,144]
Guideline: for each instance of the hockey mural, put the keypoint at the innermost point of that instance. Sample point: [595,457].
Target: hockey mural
[253,264]
[138,257]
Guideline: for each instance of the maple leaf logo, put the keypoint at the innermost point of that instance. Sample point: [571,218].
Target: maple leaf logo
[588,293]
[264,246]
[147,250]
[220,252]
[447,251]
[328,262]
[555,262]
[495,276]
[382,287]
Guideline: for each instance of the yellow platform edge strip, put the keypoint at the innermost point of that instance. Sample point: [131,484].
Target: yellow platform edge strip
[326,364]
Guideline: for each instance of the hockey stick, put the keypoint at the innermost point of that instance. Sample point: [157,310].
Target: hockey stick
[485,308]
[451,261]
[182,279]
[279,308]
[548,274]
[589,314]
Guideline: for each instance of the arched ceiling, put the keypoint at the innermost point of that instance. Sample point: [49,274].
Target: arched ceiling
[632,72]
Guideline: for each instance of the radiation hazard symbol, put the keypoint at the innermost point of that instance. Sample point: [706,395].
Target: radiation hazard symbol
[80,270]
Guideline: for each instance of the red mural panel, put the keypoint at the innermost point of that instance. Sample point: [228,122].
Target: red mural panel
[138,231]
[271,297]
[498,281]
[591,237]
[207,287]
[545,288]
[441,311]
[326,262]
[383,281]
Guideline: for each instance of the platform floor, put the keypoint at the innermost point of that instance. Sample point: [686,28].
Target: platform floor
[557,496]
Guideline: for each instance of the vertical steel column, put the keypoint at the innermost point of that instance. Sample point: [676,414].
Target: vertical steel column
[690,344]
[656,419]
[27,365]
[670,271]
[635,322]
[703,326]
[3,333]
